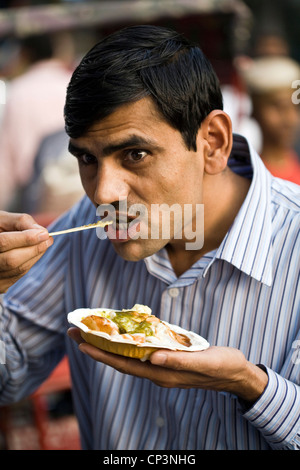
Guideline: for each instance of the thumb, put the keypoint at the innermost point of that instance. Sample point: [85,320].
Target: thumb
[179,360]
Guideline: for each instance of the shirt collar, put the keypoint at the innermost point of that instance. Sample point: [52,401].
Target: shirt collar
[247,244]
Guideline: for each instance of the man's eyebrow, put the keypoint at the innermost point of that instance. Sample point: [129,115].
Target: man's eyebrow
[75,150]
[132,141]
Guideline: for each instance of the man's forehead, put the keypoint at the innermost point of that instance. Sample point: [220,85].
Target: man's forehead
[133,124]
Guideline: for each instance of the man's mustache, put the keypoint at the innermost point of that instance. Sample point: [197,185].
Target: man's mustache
[122,210]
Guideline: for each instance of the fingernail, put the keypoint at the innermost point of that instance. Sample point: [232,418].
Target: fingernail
[49,242]
[81,347]
[158,358]
[38,226]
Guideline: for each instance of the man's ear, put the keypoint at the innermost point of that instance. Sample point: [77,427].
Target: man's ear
[216,137]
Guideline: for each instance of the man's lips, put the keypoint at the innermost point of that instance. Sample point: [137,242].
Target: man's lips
[121,220]
[122,228]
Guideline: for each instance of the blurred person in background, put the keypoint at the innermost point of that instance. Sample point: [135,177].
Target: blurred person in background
[269,81]
[271,43]
[269,39]
[55,184]
[33,110]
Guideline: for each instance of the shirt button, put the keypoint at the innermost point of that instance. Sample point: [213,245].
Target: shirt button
[173,292]
[160,422]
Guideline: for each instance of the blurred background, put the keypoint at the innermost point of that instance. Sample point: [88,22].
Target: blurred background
[254,46]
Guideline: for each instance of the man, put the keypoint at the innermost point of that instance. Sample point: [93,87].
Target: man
[145,120]
[25,122]
[270,81]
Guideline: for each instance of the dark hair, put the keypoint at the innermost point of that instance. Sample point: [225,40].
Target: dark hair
[142,61]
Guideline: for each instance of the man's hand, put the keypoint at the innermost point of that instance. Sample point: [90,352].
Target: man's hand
[216,368]
[22,243]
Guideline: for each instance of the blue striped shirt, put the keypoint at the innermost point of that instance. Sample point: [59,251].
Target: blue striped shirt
[245,294]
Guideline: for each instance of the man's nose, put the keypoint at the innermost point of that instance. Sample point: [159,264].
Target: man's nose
[111,185]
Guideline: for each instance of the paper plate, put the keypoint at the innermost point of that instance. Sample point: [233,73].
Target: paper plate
[126,346]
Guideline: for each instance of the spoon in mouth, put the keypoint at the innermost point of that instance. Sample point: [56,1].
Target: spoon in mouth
[100,223]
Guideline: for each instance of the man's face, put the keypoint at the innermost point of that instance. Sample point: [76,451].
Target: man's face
[278,117]
[134,160]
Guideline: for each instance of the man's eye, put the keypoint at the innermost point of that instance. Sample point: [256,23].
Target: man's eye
[87,159]
[135,155]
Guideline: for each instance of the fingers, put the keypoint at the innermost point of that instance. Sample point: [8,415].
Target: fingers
[74,333]
[16,222]
[177,360]
[216,368]
[125,365]
[121,363]
[164,368]
[128,365]
[14,260]
[22,243]
[18,239]
[16,263]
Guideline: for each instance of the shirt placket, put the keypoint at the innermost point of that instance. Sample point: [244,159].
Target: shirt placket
[170,306]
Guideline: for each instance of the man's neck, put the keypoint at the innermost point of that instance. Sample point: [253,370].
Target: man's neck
[223,198]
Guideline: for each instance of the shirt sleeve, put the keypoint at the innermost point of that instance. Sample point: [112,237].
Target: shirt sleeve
[276,413]
[33,322]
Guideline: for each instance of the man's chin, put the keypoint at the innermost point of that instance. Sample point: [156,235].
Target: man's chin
[134,250]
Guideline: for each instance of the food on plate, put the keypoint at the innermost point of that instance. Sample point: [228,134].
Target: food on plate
[134,332]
